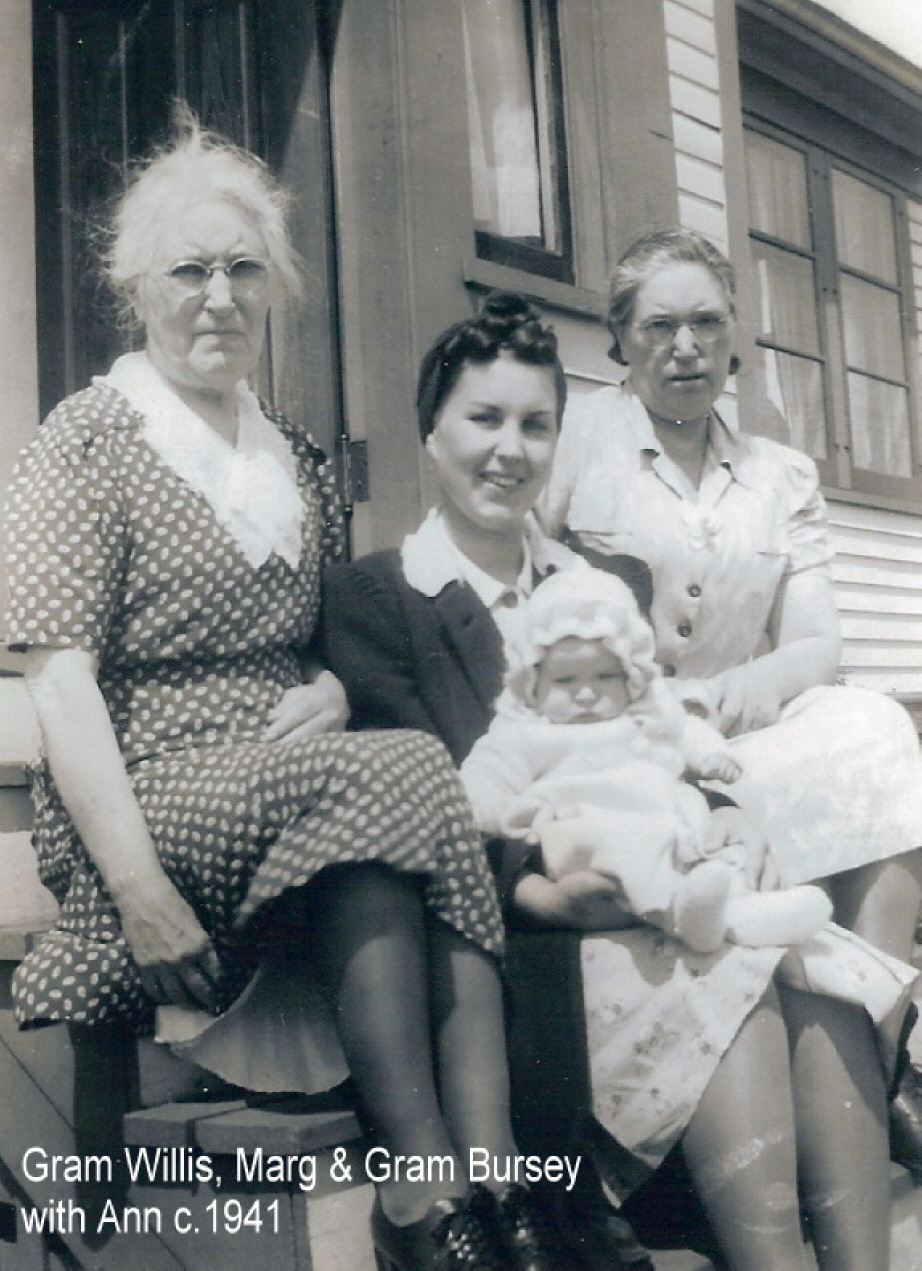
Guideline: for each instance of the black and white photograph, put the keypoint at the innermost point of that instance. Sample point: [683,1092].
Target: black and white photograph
[452,452]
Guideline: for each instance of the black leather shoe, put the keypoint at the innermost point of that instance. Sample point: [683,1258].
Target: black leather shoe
[453,1236]
[665,1212]
[528,1234]
[905,1122]
[905,1105]
[601,1238]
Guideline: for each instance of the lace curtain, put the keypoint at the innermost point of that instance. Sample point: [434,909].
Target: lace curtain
[501,113]
[867,309]
[878,410]
[792,386]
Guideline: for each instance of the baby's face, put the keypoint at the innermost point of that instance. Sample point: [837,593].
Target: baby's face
[580,682]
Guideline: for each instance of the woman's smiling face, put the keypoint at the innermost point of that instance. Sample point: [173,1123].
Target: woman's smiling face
[679,341]
[493,443]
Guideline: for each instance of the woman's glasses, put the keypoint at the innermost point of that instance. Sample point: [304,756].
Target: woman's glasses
[704,328]
[246,276]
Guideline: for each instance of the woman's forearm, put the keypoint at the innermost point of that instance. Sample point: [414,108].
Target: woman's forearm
[801,664]
[804,635]
[88,769]
[752,696]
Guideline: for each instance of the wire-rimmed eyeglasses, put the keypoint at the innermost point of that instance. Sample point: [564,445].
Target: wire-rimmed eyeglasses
[246,276]
[704,328]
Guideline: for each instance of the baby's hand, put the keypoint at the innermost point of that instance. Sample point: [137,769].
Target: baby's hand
[525,817]
[719,767]
[542,819]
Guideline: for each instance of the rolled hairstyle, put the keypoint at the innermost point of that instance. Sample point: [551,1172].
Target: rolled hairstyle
[507,323]
[649,254]
[194,167]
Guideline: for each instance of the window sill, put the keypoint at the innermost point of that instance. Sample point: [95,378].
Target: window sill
[486,275]
[881,501]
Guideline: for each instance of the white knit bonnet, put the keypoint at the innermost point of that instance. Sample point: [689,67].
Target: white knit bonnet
[587,604]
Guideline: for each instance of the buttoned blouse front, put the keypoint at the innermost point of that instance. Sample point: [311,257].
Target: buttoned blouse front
[718,555]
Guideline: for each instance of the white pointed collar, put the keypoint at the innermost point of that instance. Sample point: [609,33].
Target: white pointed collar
[431,561]
[251,487]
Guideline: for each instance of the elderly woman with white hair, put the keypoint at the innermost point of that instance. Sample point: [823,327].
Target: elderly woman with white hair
[198,798]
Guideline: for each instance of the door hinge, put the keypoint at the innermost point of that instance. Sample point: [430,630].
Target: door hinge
[353,467]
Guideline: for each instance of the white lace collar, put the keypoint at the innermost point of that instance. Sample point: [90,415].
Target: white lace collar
[252,487]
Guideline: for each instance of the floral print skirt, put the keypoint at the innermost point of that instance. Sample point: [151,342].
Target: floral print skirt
[835,784]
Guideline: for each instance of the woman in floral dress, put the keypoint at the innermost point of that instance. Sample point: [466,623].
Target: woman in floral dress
[197,795]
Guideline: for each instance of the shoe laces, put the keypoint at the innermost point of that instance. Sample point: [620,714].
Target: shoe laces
[464,1237]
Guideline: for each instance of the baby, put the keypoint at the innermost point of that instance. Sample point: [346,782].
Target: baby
[587,756]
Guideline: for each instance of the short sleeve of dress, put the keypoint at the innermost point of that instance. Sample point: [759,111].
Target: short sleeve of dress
[65,535]
[554,504]
[807,524]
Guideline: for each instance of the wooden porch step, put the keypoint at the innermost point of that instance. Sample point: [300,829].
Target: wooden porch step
[284,1125]
[296,1162]
[187,1185]
[19,745]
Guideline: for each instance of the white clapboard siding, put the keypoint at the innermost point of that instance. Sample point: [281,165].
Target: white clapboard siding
[878,577]
[694,88]
[692,25]
[878,566]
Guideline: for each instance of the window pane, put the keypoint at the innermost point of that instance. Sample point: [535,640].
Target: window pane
[787,299]
[873,336]
[794,388]
[503,120]
[777,179]
[880,426]
[546,117]
[864,227]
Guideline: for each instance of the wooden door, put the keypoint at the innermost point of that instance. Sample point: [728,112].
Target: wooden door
[106,72]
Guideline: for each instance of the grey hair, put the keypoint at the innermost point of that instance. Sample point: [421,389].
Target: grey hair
[649,254]
[196,166]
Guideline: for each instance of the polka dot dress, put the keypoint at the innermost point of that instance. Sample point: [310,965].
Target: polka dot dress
[110,552]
